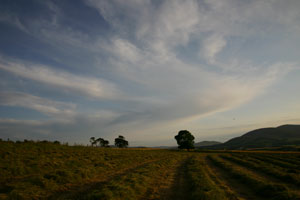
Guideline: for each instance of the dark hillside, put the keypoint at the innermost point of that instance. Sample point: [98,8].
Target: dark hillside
[265,137]
[206,143]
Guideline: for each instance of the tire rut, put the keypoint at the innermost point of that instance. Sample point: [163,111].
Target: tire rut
[162,187]
[181,188]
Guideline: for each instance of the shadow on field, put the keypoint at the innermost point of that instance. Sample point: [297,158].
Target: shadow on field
[181,187]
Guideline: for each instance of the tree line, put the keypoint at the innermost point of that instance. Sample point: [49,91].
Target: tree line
[184,138]
[119,142]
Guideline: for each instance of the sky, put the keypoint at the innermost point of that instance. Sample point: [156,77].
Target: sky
[146,69]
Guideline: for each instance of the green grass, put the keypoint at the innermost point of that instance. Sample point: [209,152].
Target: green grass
[44,170]
[36,170]
[133,185]
[203,187]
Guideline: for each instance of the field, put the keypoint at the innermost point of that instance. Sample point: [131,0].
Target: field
[52,171]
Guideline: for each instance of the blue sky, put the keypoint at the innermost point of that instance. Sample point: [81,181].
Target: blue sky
[146,69]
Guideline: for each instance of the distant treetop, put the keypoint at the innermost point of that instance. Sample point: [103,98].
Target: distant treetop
[121,142]
[185,140]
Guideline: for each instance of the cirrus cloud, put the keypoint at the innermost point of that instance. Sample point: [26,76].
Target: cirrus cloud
[149,65]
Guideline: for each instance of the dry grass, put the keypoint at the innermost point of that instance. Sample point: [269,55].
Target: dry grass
[43,170]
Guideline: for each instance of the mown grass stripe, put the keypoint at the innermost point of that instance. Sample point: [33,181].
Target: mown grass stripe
[261,188]
[266,168]
[202,186]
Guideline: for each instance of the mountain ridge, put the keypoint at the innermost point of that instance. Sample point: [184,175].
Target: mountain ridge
[206,143]
[264,137]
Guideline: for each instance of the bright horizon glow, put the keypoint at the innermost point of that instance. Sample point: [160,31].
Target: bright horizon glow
[147,69]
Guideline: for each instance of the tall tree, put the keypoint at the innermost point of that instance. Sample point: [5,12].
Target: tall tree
[185,140]
[121,142]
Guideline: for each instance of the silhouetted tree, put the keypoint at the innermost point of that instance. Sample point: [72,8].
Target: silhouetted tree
[185,140]
[93,141]
[121,142]
[56,142]
[105,143]
[100,141]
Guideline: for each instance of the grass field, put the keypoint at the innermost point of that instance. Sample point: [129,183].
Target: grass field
[52,171]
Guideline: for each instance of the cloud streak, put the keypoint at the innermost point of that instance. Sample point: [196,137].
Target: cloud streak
[88,86]
[45,106]
[212,46]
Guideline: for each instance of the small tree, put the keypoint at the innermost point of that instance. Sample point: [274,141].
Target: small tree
[100,141]
[121,142]
[185,140]
[93,141]
[105,143]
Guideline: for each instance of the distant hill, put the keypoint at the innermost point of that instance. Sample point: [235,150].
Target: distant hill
[265,137]
[164,147]
[206,143]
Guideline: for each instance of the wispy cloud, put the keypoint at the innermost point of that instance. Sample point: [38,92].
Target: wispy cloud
[89,86]
[212,46]
[45,106]
[12,19]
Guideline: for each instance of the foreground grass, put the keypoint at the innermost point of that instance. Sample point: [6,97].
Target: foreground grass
[45,170]
[138,184]
[39,170]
